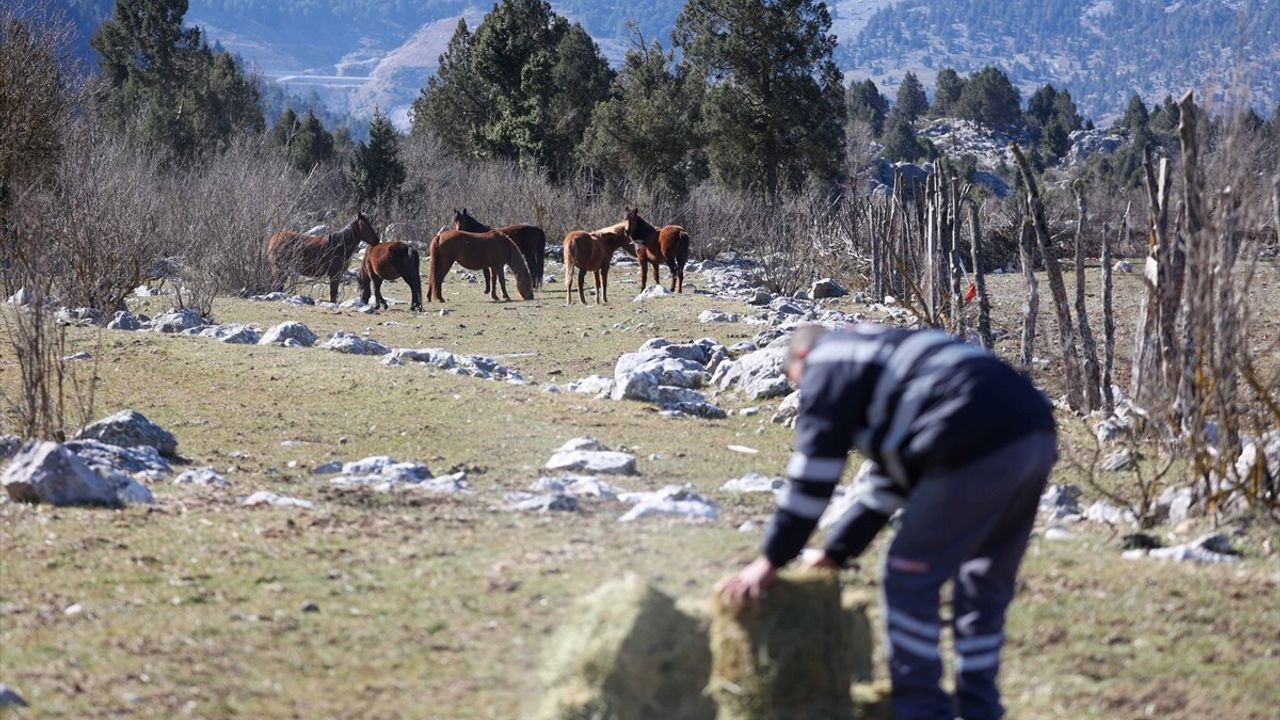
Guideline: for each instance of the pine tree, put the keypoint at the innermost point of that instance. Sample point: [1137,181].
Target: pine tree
[867,104]
[1135,116]
[774,110]
[455,102]
[900,141]
[166,86]
[946,93]
[990,98]
[645,134]
[911,102]
[376,170]
[312,145]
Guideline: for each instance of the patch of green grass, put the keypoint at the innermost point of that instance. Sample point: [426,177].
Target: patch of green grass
[434,606]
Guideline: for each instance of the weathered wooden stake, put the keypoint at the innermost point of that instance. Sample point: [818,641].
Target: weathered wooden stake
[1092,373]
[1031,310]
[980,283]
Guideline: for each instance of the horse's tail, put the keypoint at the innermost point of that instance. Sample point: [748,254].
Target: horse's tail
[540,255]
[413,274]
[433,288]
[515,260]
[682,248]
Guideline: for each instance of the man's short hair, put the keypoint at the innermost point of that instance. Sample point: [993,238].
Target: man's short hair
[802,341]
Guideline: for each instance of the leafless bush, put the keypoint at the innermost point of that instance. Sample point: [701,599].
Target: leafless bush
[218,216]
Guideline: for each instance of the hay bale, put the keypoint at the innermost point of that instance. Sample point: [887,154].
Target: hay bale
[789,661]
[628,653]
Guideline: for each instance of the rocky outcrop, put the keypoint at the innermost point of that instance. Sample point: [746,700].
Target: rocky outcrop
[130,428]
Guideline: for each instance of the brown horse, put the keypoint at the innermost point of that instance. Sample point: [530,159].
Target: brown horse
[474,251]
[529,238]
[668,245]
[318,255]
[390,261]
[593,251]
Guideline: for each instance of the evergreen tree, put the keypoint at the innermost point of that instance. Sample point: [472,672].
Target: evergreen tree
[1165,118]
[165,85]
[911,102]
[284,129]
[900,141]
[865,103]
[989,98]
[1135,116]
[774,109]
[455,103]
[947,91]
[311,145]
[376,170]
[645,134]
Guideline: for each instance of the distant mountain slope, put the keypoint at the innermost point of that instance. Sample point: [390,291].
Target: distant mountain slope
[1101,50]
[358,53]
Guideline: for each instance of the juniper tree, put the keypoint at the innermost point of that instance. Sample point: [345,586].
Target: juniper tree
[911,102]
[376,170]
[867,104]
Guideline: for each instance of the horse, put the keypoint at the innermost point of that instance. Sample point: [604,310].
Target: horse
[593,251]
[669,245]
[474,251]
[318,255]
[529,238]
[390,261]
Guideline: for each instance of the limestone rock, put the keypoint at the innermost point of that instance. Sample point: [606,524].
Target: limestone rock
[48,472]
[653,291]
[345,342]
[286,331]
[130,428]
[232,334]
[138,461]
[550,502]
[205,476]
[716,316]
[266,497]
[9,698]
[827,288]
[757,374]
[753,483]
[176,321]
[124,320]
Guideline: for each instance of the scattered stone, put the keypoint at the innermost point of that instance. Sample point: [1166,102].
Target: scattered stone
[176,321]
[298,300]
[124,320]
[266,497]
[75,357]
[551,502]
[1104,512]
[588,455]
[754,482]
[9,446]
[141,461]
[1123,266]
[1057,532]
[130,428]
[582,443]
[596,385]
[551,389]
[48,472]
[310,607]
[76,316]
[22,298]
[576,486]
[9,698]
[716,316]
[749,412]
[281,334]
[476,366]
[1061,502]
[790,406]
[749,526]
[330,468]
[1210,549]
[827,288]
[269,297]
[653,291]
[758,374]
[1178,504]
[379,470]
[1087,143]
[760,297]
[673,502]
[742,347]
[205,476]
[232,334]
[345,342]
[1119,461]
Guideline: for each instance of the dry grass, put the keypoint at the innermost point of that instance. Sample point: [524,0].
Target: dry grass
[439,607]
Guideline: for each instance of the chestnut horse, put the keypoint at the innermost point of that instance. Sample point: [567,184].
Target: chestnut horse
[318,255]
[390,261]
[669,245]
[593,251]
[475,251]
[529,238]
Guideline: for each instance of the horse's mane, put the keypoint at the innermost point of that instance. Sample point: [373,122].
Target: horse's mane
[646,230]
[614,229]
[345,234]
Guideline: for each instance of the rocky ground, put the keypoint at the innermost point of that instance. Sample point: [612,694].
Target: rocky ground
[328,511]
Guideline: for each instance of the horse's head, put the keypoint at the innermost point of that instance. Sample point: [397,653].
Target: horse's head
[365,232]
[465,222]
[633,224]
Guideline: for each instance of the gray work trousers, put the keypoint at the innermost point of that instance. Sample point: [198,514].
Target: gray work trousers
[970,526]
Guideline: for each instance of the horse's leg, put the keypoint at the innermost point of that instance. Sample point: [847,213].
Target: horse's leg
[333,287]
[675,273]
[582,279]
[644,271]
[604,283]
[488,278]
[656,279]
[437,276]
[377,293]
[501,277]
[568,283]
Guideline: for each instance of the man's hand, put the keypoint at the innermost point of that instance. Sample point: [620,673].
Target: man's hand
[746,587]
[816,559]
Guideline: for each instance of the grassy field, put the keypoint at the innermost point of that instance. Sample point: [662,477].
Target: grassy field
[437,606]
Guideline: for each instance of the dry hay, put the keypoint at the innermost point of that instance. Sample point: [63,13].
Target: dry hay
[628,653]
[794,659]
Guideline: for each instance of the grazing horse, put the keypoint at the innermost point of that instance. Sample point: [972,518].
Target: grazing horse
[390,261]
[529,238]
[668,245]
[475,251]
[593,251]
[318,255]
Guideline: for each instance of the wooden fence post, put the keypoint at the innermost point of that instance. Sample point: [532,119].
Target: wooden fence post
[1031,310]
[979,283]
[1092,373]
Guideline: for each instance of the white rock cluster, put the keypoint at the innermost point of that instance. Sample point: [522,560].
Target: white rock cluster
[668,375]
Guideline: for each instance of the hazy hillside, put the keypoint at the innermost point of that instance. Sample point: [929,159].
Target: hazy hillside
[1101,50]
[358,53]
